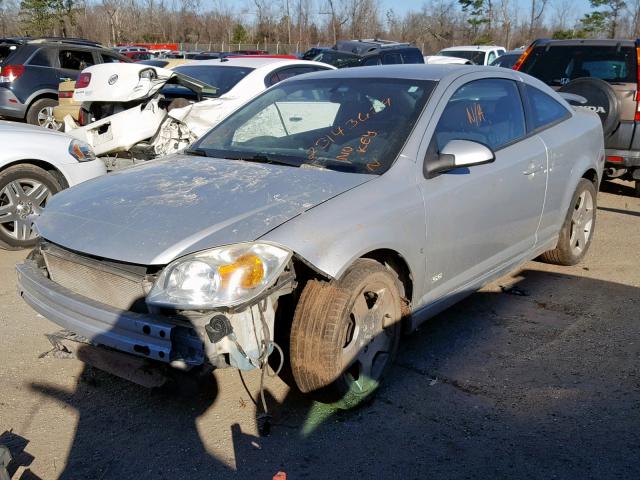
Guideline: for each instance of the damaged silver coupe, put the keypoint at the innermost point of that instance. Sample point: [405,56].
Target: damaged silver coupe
[384,195]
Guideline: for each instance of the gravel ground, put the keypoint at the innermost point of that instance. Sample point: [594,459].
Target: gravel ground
[545,386]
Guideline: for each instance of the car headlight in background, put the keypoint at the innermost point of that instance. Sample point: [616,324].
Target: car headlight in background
[81,151]
[220,277]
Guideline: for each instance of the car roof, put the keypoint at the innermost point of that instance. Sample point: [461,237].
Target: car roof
[481,48]
[584,41]
[251,62]
[408,71]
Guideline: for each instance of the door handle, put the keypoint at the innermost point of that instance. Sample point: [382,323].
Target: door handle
[533,169]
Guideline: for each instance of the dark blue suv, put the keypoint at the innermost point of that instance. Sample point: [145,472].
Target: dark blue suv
[31,70]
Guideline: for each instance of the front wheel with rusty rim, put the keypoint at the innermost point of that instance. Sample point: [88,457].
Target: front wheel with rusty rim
[345,334]
[24,191]
[578,227]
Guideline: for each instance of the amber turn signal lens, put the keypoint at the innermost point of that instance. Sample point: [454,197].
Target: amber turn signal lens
[246,272]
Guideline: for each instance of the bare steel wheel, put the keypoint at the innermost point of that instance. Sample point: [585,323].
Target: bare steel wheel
[24,191]
[578,227]
[345,334]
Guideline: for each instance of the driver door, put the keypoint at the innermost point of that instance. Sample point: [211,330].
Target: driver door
[484,217]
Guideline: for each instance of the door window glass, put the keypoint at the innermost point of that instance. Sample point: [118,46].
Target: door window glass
[491,57]
[488,111]
[75,59]
[544,109]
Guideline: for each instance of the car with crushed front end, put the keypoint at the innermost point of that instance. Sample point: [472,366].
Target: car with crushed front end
[321,220]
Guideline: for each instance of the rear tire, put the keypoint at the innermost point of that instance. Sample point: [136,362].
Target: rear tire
[578,227]
[24,190]
[345,334]
[41,113]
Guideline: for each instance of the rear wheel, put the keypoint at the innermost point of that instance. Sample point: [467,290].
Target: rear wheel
[578,227]
[24,190]
[345,334]
[41,113]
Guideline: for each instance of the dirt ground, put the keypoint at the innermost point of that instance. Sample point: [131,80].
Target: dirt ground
[544,385]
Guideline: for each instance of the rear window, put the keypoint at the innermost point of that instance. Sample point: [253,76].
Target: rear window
[223,78]
[561,64]
[338,59]
[475,56]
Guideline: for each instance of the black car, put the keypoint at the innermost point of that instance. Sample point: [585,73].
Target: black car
[605,73]
[357,53]
[507,59]
[313,52]
[31,70]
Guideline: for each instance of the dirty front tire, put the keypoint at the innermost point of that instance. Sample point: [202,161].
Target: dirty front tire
[41,113]
[345,334]
[24,189]
[578,227]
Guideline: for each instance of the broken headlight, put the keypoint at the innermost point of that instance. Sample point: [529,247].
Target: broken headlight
[220,277]
[81,151]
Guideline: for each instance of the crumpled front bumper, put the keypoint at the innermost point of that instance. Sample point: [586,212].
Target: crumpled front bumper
[145,335]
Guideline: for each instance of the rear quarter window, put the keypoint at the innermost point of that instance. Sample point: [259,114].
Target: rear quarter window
[544,110]
[560,64]
[41,59]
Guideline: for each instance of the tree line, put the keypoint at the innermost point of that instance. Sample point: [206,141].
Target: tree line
[303,23]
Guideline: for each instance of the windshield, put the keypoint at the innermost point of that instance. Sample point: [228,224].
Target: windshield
[223,78]
[342,124]
[475,56]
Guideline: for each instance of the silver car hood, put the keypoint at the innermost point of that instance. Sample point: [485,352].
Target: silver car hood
[166,208]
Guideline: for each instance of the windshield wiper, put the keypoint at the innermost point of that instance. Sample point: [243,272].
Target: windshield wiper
[264,159]
[198,152]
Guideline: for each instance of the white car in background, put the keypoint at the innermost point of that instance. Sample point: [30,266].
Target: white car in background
[36,163]
[476,54]
[155,112]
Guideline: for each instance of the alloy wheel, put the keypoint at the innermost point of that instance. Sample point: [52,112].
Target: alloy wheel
[46,119]
[581,223]
[18,200]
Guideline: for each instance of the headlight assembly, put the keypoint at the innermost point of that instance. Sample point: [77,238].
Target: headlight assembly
[81,151]
[220,277]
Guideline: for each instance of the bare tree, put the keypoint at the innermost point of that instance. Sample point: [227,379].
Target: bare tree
[537,9]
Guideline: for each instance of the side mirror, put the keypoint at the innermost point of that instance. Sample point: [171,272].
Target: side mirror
[458,153]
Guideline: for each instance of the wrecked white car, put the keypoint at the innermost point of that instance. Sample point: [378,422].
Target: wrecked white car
[138,112]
